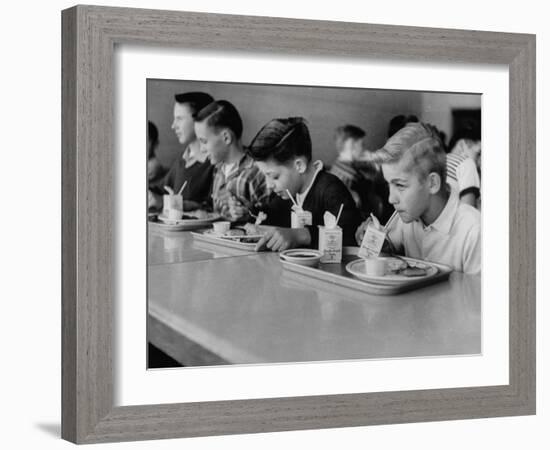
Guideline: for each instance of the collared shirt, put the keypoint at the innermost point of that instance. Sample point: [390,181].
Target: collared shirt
[454,238]
[300,197]
[245,182]
[191,159]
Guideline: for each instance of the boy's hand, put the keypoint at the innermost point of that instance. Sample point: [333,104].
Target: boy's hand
[361,230]
[190,205]
[388,245]
[153,200]
[279,239]
[236,209]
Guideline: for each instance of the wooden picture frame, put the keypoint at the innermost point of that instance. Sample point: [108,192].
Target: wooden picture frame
[90,34]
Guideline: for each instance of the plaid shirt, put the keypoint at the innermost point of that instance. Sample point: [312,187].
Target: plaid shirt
[245,182]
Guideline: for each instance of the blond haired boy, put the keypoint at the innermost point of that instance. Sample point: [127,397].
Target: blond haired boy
[432,224]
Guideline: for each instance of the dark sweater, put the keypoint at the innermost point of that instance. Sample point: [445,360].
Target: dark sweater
[326,194]
[199,181]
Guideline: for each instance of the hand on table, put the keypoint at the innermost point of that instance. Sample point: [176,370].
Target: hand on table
[278,239]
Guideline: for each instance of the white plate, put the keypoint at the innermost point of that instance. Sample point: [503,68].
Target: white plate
[358,269]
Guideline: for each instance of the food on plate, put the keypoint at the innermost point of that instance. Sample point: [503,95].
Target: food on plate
[234,232]
[413,272]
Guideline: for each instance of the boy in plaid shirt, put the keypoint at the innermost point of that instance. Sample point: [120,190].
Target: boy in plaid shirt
[238,186]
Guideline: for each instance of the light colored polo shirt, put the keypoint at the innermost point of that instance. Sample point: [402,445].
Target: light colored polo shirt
[453,239]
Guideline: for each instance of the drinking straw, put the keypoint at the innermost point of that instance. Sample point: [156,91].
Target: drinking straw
[169,190]
[292,199]
[390,220]
[182,188]
[339,212]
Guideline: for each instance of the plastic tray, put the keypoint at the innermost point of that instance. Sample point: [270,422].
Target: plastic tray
[336,274]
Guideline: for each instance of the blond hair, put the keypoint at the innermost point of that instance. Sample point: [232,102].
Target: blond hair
[419,144]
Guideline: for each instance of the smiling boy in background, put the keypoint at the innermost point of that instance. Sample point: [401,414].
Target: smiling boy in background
[192,167]
[432,224]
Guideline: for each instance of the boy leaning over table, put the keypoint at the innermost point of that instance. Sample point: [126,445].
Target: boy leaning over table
[432,224]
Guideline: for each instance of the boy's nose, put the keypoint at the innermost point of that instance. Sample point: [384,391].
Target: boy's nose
[392,198]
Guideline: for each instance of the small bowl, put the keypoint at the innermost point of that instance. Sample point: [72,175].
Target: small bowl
[302,256]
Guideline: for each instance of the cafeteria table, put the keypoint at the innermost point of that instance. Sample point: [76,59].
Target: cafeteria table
[210,305]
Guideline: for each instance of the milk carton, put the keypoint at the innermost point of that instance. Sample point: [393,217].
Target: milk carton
[300,218]
[172,202]
[330,240]
[330,244]
[372,242]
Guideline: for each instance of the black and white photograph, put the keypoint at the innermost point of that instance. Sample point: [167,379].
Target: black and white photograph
[296,224]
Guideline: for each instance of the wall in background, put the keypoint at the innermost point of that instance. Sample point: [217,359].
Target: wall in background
[324,108]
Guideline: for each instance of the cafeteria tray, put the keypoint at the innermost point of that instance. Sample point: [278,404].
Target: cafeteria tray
[184,224]
[208,237]
[336,274]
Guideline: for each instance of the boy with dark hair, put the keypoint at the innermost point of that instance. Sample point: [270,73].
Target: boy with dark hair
[363,178]
[193,166]
[238,186]
[282,150]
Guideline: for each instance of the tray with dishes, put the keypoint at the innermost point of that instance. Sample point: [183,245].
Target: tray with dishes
[240,238]
[386,275]
[191,220]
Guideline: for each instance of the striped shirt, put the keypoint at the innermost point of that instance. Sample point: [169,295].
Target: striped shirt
[245,182]
[462,174]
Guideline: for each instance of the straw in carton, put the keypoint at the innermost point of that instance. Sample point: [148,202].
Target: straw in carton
[182,188]
[292,199]
[339,213]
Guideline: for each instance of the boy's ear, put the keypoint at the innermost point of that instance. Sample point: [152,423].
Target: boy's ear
[300,164]
[434,182]
[227,136]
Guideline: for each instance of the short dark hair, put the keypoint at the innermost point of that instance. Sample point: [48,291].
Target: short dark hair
[152,132]
[281,140]
[350,131]
[470,130]
[195,100]
[152,137]
[221,114]
[398,122]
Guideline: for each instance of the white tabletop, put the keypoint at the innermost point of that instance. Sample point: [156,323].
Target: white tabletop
[214,308]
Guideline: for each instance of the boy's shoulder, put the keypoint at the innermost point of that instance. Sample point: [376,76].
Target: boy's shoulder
[326,180]
[328,187]
[468,212]
[467,217]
